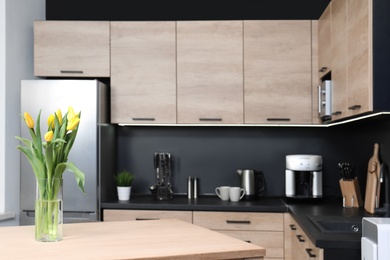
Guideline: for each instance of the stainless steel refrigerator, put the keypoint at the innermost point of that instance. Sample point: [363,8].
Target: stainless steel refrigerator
[93,151]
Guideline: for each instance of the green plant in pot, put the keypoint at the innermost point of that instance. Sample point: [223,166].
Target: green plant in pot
[124,180]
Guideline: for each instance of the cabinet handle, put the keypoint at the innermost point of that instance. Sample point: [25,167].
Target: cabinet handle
[146,218]
[143,119]
[72,71]
[248,241]
[308,250]
[278,119]
[336,113]
[293,227]
[210,119]
[355,107]
[300,238]
[323,69]
[238,221]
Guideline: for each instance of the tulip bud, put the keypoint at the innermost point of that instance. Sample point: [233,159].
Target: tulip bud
[59,116]
[49,136]
[50,121]
[72,124]
[29,120]
[71,113]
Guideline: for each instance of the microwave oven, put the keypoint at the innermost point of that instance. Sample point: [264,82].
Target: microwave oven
[325,100]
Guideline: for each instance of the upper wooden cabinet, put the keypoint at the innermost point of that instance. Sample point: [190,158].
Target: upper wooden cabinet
[351,57]
[71,49]
[277,71]
[143,72]
[359,56]
[209,72]
[324,41]
[339,59]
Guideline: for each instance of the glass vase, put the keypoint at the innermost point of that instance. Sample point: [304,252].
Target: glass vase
[48,210]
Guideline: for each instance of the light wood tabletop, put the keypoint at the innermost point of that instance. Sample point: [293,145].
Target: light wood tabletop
[149,239]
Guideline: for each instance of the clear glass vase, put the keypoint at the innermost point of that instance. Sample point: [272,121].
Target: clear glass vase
[48,210]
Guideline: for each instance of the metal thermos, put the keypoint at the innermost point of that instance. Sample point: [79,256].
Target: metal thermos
[192,187]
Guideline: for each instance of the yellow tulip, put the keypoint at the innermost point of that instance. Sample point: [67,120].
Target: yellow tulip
[59,116]
[49,136]
[50,121]
[71,114]
[29,120]
[72,124]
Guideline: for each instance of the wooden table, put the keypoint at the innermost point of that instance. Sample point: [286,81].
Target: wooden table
[150,239]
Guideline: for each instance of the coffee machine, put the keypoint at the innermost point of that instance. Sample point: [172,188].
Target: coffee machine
[304,176]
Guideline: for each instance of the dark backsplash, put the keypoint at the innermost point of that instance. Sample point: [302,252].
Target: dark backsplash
[213,154]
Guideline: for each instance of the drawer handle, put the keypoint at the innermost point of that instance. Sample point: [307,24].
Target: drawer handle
[355,107]
[143,119]
[336,113]
[238,221]
[293,227]
[300,238]
[309,252]
[210,119]
[278,119]
[248,241]
[323,69]
[146,218]
[72,71]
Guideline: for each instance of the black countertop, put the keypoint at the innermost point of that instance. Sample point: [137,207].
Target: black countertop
[203,203]
[299,209]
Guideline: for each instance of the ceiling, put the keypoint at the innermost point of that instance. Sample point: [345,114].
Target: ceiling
[184,9]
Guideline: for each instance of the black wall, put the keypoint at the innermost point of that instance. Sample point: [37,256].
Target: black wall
[183,9]
[215,153]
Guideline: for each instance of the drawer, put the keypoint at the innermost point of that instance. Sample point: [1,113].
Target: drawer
[239,220]
[271,241]
[124,215]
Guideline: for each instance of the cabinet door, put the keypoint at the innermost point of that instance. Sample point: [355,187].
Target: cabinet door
[359,37]
[277,62]
[126,215]
[209,72]
[143,72]
[71,49]
[339,59]
[324,42]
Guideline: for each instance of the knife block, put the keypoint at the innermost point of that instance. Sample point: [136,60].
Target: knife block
[350,190]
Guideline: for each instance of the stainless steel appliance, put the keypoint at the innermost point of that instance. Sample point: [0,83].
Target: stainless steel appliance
[325,100]
[304,176]
[253,182]
[93,151]
[162,165]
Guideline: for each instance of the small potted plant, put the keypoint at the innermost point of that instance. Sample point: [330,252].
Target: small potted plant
[123,181]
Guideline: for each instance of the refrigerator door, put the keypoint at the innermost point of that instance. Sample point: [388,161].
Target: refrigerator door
[91,98]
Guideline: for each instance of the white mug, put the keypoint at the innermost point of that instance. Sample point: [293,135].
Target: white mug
[223,192]
[236,193]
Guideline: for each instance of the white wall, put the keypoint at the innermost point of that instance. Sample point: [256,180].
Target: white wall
[16,63]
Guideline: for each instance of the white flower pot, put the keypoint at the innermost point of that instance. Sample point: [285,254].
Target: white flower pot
[124,193]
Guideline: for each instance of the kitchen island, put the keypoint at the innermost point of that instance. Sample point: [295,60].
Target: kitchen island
[152,239]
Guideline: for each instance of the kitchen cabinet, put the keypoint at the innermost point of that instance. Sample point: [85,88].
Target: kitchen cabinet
[324,42]
[297,244]
[143,72]
[71,49]
[264,229]
[209,72]
[359,56]
[339,59]
[351,57]
[277,71]
[125,215]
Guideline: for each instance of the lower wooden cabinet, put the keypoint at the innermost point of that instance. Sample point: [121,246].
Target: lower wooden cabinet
[297,243]
[260,228]
[263,229]
[125,215]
